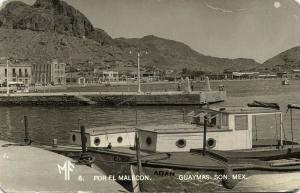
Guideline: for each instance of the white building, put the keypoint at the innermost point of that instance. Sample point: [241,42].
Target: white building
[109,76]
[17,72]
[53,72]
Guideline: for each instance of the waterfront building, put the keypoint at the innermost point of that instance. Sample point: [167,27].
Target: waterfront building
[245,75]
[17,72]
[283,75]
[267,76]
[296,73]
[214,76]
[108,76]
[104,76]
[170,75]
[75,78]
[53,72]
[150,76]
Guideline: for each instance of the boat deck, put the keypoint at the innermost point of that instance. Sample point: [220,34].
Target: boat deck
[173,159]
[268,158]
[31,169]
[184,160]
[262,153]
[260,158]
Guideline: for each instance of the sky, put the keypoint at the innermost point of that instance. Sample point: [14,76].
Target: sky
[257,29]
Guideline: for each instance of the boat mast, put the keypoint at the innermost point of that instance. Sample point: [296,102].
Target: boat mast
[291,107]
[7,86]
[138,156]
[281,131]
[204,135]
[291,113]
[136,117]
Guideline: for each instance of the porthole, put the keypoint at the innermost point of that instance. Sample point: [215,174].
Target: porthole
[148,141]
[120,139]
[73,138]
[211,143]
[97,141]
[181,143]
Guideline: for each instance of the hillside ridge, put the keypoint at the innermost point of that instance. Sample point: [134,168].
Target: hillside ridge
[54,29]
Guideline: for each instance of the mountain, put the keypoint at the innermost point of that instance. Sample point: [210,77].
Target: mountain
[163,54]
[40,47]
[50,16]
[53,29]
[285,61]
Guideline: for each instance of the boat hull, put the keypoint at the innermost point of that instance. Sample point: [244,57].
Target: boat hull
[153,179]
[116,166]
[158,175]
[170,180]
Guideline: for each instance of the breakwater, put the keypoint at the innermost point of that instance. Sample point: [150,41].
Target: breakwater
[114,98]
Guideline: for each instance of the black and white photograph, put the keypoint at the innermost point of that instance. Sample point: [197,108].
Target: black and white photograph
[100,96]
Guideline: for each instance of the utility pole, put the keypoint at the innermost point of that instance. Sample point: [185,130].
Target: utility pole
[139,74]
[139,54]
[7,86]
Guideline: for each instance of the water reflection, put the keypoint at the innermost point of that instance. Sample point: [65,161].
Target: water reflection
[46,123]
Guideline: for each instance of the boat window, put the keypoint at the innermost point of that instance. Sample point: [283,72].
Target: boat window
[212,122]
[120,139]
[97,141]
[181,143]
[211,143]
[73,138]
[241,122]
[266,126]
[224,120]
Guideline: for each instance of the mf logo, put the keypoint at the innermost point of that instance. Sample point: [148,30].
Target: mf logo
[67,168]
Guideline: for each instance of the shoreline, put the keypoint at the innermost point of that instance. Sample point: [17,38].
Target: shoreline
[168,82]
[114,98]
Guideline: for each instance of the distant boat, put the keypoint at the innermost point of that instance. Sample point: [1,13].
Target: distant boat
[264,104]
[285,81]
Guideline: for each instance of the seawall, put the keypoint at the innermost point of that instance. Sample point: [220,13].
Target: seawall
[113,98]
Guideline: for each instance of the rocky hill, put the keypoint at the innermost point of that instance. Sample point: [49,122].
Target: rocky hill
[163,54]
[52,28]
[50,16]
[40,47]
[285,61]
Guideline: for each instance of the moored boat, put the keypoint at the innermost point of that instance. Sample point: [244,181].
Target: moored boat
[221,150]
[285,81]
[231,154]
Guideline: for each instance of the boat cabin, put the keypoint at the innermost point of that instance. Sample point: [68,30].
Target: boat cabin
[113,136]
[229,128]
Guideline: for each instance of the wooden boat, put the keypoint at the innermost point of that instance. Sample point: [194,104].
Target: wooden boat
[221,150]
[264,104]
[224,124]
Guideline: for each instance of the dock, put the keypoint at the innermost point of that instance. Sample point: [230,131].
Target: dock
[31,169]
[114,98]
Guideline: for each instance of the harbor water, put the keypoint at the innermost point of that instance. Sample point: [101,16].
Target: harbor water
[49,122]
